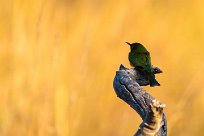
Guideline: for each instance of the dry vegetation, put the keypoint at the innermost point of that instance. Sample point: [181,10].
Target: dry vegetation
[58,59]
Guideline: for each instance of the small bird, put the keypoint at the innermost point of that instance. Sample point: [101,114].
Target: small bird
[140,58]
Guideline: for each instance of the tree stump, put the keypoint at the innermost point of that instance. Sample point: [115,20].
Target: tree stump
[127,85]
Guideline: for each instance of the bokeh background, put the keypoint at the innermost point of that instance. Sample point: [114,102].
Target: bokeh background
[58,59]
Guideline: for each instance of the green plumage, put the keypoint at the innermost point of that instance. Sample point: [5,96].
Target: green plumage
[140,58]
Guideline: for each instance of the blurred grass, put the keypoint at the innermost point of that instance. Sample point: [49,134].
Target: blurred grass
[58,60]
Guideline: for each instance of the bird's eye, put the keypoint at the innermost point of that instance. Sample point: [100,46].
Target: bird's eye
[132,47]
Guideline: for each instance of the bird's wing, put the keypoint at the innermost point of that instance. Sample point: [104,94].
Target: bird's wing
[144,60]
[139,60]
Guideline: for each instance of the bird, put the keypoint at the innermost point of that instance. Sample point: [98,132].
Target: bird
[140,58]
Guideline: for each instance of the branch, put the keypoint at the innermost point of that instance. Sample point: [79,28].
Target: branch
[127,85]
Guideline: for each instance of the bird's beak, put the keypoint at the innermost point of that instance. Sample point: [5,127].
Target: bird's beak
[128,43]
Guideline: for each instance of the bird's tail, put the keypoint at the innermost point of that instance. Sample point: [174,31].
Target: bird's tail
[153,81]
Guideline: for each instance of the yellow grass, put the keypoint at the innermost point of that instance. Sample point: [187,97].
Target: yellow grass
[59,57]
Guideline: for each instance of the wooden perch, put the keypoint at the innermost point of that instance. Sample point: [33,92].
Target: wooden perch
[127,85]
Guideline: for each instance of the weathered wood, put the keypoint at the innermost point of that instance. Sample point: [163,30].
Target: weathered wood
[127,84]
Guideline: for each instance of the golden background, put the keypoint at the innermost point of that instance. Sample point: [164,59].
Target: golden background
[59,57]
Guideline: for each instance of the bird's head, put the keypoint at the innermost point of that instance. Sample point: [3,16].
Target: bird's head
[134,45]
[131,45]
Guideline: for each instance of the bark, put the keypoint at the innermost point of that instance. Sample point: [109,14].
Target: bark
[127,85]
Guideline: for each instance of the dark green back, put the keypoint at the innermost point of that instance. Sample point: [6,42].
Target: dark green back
[140,57]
